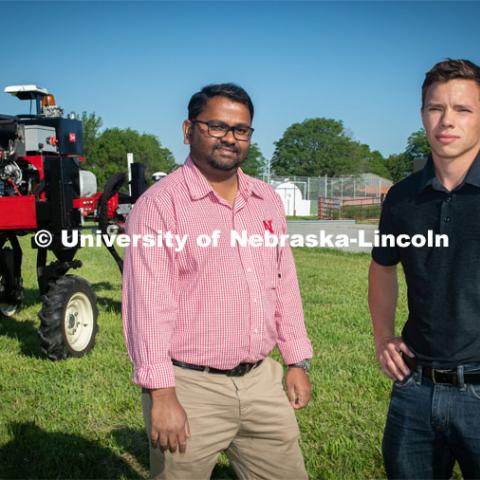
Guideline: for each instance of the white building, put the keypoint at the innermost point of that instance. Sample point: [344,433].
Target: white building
[292,199]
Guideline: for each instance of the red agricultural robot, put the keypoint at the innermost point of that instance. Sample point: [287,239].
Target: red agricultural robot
[44,191]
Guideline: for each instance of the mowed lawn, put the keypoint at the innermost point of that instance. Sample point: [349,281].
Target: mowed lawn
[81,418]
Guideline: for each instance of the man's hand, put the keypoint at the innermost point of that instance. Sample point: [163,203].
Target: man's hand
[169,426]
[298,387]
[388,354]
[382,300]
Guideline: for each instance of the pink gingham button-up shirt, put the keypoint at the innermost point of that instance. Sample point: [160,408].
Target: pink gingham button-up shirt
[218,305]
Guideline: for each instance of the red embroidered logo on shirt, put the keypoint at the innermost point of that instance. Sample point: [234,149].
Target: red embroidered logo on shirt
[268,225]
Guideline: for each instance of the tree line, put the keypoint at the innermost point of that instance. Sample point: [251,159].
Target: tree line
[314,147]
[322,146]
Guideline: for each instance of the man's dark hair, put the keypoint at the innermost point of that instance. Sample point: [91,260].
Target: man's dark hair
[229,90]
[450,69]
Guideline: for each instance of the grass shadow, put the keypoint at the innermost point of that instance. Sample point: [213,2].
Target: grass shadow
[25,332]
[109,304]
[31,296]
[106,302]
[134,442]
[104,286]
[36,453]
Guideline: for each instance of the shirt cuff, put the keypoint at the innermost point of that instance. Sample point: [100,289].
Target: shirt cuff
[384,257]
[295,350]
[155,376]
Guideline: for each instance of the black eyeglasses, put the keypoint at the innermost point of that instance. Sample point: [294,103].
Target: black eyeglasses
[220,130]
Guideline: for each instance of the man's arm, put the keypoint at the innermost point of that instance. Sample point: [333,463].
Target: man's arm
[382,300]
[293,341]
[149,310]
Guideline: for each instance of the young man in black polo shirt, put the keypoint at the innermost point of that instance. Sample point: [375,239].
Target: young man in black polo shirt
[434,414]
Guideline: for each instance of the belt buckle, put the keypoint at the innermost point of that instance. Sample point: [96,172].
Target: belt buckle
[240,370]
[445,372]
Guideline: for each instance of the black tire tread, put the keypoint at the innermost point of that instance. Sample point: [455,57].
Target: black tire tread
[51,316]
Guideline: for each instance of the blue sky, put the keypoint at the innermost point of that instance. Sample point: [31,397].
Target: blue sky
[136,64]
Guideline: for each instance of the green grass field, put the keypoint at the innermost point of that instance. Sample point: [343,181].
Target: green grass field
[81,418]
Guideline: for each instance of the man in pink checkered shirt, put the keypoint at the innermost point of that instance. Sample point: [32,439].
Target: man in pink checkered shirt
[204,307]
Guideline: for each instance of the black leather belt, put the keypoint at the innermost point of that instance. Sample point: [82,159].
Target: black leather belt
[436,375]
[238,371]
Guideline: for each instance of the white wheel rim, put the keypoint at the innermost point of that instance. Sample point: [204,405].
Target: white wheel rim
[78,322]
[8,310]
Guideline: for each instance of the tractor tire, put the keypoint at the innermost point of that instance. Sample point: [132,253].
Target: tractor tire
[68,319]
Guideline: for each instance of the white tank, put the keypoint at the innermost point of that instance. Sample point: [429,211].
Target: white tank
[88,183]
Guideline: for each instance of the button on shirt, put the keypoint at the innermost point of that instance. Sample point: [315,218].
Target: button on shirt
[443,326]
[214,301]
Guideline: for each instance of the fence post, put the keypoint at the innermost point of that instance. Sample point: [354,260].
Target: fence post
[294,202]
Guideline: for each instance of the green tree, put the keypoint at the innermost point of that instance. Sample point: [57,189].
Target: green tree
[318,146]
[109,153]
[377,164]
[91,129]
[418,147]
[400,165]
[254,164]
[371,161]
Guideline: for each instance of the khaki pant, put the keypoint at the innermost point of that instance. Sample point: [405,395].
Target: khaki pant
[248,417]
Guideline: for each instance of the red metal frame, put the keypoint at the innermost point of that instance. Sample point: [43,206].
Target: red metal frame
[89,205]
[18,213]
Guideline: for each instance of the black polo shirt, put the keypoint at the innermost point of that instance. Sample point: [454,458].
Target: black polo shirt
[443,326]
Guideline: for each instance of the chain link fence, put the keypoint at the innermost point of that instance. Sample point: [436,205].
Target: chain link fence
[305,195]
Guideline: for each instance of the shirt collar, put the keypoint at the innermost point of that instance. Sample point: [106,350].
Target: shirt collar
[246,187]
[199,187]
[429,179]
[428,174]
[473,174]
[196,183]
